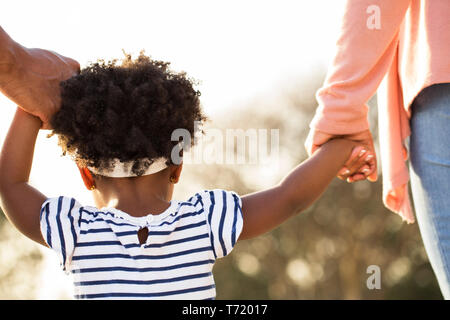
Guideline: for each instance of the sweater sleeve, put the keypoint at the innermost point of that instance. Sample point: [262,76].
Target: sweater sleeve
[364,50]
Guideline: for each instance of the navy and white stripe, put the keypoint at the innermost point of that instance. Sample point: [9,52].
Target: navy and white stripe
[224,220]
[101,248]
[60,226]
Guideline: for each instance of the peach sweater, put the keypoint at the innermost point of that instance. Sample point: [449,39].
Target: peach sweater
[399,47]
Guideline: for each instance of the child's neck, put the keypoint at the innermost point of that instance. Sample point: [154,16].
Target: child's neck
[138,196]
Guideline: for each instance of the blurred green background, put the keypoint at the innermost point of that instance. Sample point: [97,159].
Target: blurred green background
[322,253]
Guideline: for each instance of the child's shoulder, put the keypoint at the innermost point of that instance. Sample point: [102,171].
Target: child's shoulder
[208,201]
[212,197]
[68,210]
[60,205]
[63,205]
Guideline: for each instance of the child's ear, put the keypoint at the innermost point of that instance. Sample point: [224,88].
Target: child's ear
[87,177]
[175,173]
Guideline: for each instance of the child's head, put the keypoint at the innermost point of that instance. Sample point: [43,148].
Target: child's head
[125,111]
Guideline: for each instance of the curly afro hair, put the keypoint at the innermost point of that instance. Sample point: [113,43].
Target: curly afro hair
[126,112]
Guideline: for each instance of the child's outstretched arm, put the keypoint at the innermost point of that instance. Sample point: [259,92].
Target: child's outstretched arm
[21,202]
[263,211]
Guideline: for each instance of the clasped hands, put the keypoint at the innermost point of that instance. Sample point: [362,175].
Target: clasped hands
[362,163]
[32,79]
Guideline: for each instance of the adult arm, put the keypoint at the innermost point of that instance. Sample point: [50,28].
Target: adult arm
[30,77]
[365,47]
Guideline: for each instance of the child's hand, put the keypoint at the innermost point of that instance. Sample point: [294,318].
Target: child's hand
[359,163]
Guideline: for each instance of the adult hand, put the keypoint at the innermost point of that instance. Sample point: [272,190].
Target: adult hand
[33,80]
[351,174]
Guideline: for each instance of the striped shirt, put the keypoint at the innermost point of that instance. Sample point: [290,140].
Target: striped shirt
[101,249]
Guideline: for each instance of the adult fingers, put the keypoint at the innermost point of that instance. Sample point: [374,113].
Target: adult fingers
[365,138]
[353,163]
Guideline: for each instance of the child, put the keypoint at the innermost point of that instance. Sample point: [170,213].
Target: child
[116,122]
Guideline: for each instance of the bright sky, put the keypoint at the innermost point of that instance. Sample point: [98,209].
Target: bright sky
[237,49]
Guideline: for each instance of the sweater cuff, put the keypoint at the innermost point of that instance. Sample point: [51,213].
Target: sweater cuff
[328,123]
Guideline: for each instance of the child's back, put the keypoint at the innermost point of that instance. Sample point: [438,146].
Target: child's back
[102,250]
